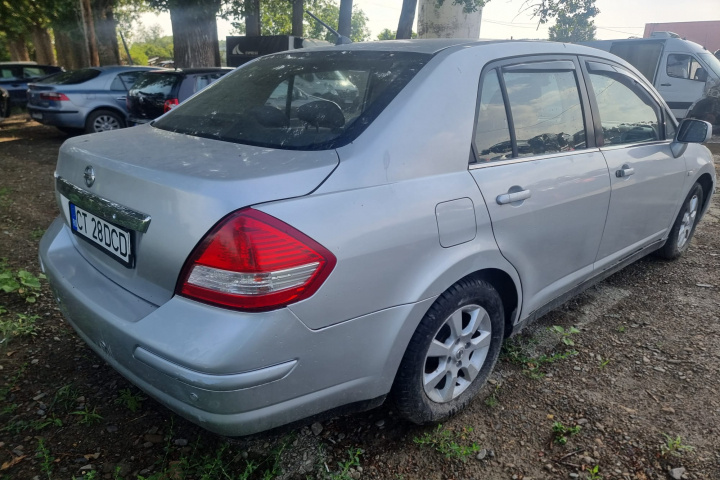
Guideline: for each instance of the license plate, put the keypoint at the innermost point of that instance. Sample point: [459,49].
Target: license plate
[36,116]
[111,239]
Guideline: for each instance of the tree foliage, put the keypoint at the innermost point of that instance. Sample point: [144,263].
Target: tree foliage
[469,6]
[388,34]
[546,10]
[276,19]
[572,29]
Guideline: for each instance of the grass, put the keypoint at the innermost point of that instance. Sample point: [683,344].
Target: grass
[5,197]
[352,461]
[20,326]
[516,351]
[444,441]
[45,458]
[492,400]
[593,473]
[561,432]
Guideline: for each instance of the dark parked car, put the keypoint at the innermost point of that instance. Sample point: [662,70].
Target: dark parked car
[159,91]
[4,104]
[14,77]
[90,99]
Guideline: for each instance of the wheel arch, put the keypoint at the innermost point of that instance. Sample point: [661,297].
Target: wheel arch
[109,108]
[706,182]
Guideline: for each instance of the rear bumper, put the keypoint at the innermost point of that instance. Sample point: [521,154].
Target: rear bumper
[58,118]
[133,121]
[232,373]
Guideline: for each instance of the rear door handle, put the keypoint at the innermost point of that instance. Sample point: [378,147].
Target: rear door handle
[666,84]
[625,171]
[513,197]
[121,98]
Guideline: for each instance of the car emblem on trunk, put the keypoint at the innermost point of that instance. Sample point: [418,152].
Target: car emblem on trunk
[89,176]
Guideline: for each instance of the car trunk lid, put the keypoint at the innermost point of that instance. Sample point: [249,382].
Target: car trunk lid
[185,185]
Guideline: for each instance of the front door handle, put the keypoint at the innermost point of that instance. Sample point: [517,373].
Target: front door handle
[513,197]
[122,99]
[625,171]
[666,84]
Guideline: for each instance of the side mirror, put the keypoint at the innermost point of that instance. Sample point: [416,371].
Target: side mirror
[701,75]
[691,130]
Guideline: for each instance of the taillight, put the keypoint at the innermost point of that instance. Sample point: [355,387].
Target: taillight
[252,261]
[170,104]
[54,97]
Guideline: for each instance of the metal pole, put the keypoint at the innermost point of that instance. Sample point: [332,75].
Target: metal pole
[127,50]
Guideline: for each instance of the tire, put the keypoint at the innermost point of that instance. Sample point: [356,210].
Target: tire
[430,386]
[103,121]
[684,226]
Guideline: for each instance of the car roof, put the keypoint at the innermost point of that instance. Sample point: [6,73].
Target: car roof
[193,70]
[434,46]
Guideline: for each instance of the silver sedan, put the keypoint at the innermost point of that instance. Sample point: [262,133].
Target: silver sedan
[250,262]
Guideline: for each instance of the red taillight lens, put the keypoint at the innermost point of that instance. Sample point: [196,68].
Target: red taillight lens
[253,261]
[54,97]
[170,104]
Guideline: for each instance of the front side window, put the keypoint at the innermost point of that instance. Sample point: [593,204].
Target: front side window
[685,66]
[627,112]
[492,136]
[546,111]
[338,95]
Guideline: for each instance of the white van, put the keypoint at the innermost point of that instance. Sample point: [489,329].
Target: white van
[682,71]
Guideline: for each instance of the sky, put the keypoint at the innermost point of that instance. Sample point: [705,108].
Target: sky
[501,18]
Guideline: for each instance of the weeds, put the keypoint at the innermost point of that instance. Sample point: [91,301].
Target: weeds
[65,397]
[604,363]
[561,432]
[46,460]
[133,401]
[88,417]
[565,334]
[5,197]
[22,326]
[443,441]
[21,282]
[622,329]
[515,352]
[353,461]
[593,473]
[674,446]
[492,400]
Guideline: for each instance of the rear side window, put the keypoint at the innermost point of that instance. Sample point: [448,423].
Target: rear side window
[73,77]
[627,112]
[685,66]
[492,136]
[642,55]
[342,93]
[546,111]
[10,73]
[124,81]
[157,84]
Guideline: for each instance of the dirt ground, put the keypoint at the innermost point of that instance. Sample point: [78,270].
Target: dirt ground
[642,381]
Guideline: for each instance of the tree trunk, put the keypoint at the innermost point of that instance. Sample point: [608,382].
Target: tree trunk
[407,18]
[44,54]
[89,27]
[71,48]
[252,18]
[447,21]
[195,37]
[18,50]
[106,32]
[298,11]
[345,17]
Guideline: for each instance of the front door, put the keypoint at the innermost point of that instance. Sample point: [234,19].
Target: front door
[545,184]
[680,81]
[646,178]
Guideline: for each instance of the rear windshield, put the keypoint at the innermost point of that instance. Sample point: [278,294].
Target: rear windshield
[156,84]
[304,101]
[71,78]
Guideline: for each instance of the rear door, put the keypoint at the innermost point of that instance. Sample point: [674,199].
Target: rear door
[544,181]
[120,86]
[681,81]
[634,134]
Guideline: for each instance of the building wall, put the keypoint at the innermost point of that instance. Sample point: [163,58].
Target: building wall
[706,33]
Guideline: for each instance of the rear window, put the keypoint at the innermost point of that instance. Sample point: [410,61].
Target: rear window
[335,96]
[71,78]
[156,84]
